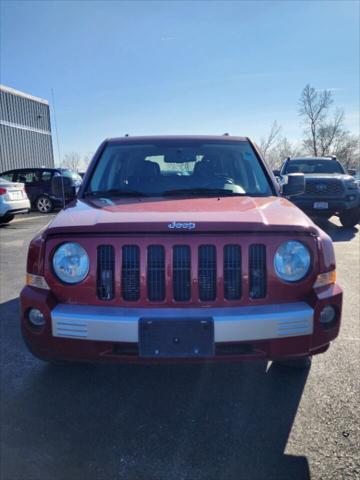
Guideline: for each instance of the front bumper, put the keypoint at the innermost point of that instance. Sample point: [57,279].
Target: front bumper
[93,333]
[115,324]
[335,205]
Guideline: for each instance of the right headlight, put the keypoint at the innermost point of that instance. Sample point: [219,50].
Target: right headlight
[292,261]
[351,185]
[71,263]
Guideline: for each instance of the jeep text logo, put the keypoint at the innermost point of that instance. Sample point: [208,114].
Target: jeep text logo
[184,225]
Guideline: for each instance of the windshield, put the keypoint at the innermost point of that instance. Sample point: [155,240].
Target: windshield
[313,166]
[171,168]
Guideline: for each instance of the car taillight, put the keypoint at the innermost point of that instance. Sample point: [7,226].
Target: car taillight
[3,191]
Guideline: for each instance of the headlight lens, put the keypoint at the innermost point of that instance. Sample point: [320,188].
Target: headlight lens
[351,185]
[71,263]
[292,261]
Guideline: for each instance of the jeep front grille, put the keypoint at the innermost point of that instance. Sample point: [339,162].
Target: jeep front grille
[105,272]
[181,273]
[130,273]
[232,272]
[200,273]
[257,271]
[207,272]
[156,273]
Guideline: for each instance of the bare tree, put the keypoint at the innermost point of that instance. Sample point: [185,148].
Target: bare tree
[313,107]
[329,132]
[347,150]
[284,149]
[71,160]
[87,159]
[267,142]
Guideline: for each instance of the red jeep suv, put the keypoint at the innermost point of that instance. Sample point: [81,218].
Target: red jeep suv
[180,249]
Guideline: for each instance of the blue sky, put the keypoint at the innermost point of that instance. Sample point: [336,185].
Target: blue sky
[179,67]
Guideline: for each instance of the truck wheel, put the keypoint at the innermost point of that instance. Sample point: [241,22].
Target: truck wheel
[44,204]
[350,218]
[302,363]
[6,218]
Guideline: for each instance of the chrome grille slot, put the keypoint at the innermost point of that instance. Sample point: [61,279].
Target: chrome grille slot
[105,272]
[130,273]
[181,273]
[232,272]
[207,273]
[257,271]
[156,273]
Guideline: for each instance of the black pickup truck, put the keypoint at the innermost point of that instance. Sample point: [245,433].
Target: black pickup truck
[329,189]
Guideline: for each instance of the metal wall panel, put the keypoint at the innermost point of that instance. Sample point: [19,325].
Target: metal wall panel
[25,132]
[24,149]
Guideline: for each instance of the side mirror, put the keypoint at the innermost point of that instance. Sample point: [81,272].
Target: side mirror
[63,187]
[295,185]
[276,173]
[352,172]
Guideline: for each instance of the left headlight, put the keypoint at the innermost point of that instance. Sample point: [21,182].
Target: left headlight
[71,262]
[292,261]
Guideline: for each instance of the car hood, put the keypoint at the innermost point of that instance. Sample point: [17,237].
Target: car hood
[164,214]
[326,176]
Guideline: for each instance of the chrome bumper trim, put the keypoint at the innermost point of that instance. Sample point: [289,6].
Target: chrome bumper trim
[116,324]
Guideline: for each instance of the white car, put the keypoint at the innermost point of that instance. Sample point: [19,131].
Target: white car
[13,200]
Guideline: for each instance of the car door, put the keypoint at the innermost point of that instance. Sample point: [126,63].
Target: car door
[46,176]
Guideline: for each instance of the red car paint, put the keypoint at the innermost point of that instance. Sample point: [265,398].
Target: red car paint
[144,221]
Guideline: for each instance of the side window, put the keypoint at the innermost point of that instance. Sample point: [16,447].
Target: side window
[8,176]
[36,176]
[46,176]
[23,176]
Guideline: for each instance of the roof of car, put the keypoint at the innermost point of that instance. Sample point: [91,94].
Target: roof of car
[170,138]
[37,168]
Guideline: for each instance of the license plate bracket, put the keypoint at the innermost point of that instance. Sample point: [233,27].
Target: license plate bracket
[16,195]
[176,338]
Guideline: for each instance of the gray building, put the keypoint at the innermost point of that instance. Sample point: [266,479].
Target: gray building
[25,131]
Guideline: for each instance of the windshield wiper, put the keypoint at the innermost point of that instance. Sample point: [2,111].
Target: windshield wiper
[115,192]
[206,191]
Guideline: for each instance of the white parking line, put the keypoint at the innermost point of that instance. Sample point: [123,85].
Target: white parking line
[30,218]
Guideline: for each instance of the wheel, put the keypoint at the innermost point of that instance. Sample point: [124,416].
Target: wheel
[350,218]
[6,218]
[302,363]
[44,204]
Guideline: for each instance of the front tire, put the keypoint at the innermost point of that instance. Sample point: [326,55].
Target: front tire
[350,218]
[6,219]
[44,204]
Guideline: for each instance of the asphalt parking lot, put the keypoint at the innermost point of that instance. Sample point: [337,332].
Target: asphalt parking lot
[232,422]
